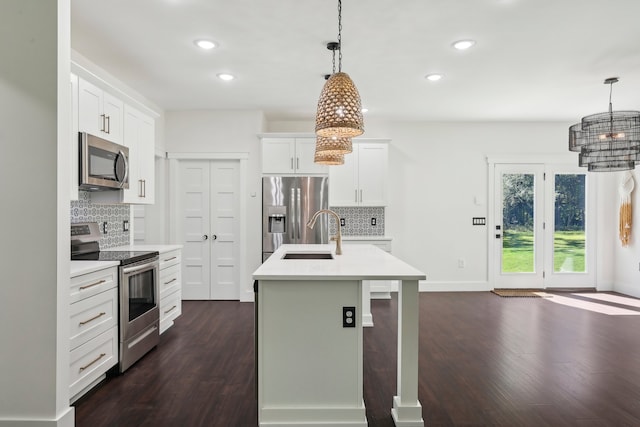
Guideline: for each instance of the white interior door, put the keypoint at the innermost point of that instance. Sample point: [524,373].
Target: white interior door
[543,233]
[225,230]
[209,216]
[194,201]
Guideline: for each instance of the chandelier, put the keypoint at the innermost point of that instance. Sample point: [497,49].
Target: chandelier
[339,111]
[607,141]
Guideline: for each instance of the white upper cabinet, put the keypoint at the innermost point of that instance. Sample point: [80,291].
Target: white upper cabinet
[139,138]
[99,112]
[361,181]
[290,156]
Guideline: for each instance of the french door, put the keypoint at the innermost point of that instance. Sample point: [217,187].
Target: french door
[543,229]
[208,206]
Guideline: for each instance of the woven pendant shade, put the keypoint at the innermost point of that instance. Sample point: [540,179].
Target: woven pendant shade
[327,158]
[339,108]
[334,145]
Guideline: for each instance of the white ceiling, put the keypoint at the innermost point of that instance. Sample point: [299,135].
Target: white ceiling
[534,59]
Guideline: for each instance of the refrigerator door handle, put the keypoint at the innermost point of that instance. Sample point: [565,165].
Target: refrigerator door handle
[298,213]
[293,215]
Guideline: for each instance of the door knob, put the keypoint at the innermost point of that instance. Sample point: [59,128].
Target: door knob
[214,237]
[205,237]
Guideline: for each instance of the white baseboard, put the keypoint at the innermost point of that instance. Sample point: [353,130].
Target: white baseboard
[247,296]
[630,289]
[65,419]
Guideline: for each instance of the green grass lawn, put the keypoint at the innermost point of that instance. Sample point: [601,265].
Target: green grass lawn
[517,251]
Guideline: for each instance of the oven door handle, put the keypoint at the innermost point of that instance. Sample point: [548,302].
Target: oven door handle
[147,266]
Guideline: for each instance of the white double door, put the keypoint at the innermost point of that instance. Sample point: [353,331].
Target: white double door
[208,216]
[544,227]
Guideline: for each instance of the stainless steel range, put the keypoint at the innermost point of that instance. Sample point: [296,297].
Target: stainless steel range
[139,315]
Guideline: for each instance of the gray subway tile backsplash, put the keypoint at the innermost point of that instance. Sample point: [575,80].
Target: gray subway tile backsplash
[358,221]
[82,210]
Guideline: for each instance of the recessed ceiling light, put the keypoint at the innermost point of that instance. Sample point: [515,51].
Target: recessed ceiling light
[226,77]
[205,44]
[433,77]
[463,44]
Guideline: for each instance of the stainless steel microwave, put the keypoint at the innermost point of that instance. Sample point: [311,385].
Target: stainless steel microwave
[104,165]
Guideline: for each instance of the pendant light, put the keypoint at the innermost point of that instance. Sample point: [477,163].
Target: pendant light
[330,151]
[607,141]
[328,158]
[339,111]
[334,145]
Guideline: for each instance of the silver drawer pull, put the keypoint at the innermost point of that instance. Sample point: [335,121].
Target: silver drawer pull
[171,309]
[82,368]
[82,288]
[92,319]
[170,281]
[173,257]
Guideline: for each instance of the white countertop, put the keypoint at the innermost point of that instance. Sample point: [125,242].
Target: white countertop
[357,262]
[85,267]
[367,238]
[160,248]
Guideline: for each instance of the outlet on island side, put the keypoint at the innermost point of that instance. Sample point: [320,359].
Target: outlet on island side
[348,317]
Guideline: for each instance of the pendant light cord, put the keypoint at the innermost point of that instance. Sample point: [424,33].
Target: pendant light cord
[339,37]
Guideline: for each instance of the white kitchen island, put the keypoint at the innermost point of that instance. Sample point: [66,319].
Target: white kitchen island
[309,365]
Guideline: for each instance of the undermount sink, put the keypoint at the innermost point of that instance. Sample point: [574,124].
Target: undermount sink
[308,255]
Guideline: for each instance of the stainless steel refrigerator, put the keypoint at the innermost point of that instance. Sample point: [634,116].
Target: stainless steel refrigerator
[288,202]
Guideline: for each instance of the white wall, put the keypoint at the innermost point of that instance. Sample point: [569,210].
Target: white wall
[34,136]
[627,259]
[227,132]
[438,177]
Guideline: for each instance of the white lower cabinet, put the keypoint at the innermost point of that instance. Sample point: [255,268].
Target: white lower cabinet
[170,288]
[93,329]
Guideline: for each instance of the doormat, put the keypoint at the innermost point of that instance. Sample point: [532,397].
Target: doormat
[526,293]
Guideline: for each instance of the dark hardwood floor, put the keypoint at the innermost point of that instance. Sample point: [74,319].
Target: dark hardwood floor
[484,361]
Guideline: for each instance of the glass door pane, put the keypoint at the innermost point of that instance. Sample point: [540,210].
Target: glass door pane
[569,234]
[518,220]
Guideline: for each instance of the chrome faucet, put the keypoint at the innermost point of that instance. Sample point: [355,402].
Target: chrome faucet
[338,236]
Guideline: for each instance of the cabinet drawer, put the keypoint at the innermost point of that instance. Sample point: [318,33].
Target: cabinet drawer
[169,280]
[94,283]
[92,316]
[170,308]
[92,359]
[170,258]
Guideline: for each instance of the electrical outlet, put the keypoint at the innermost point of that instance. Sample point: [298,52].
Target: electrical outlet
[373,221]
[125,225]
[104,227]
[342,222]
[461,263]
[348,317]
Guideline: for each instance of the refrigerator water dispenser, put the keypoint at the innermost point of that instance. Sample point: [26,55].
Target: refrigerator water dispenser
[277,223]
[277,219]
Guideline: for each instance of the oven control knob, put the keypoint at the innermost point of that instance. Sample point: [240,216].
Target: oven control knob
[205,237]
